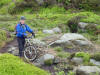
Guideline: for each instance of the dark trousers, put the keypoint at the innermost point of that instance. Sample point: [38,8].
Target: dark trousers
[21,43]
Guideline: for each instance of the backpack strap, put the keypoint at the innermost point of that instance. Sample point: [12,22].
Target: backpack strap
[15,29]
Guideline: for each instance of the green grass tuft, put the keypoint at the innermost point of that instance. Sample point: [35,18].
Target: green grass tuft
[12,65]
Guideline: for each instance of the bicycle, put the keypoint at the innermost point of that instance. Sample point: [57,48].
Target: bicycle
[30,52]
[32,49]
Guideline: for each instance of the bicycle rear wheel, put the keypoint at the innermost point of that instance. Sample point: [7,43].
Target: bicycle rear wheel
[30,53]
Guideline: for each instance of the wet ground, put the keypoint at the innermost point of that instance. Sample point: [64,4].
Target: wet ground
[9,45]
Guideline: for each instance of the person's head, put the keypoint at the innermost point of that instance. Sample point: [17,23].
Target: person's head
[22,20]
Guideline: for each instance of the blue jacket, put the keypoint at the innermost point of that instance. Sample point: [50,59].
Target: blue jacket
[22,29]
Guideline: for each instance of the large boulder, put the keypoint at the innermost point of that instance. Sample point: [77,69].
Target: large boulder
[88,70]
[81,42]
[73,38]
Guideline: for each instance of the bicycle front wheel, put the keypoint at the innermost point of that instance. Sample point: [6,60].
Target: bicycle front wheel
[30,53]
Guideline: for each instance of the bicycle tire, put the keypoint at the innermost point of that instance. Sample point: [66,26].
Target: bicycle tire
[33,55]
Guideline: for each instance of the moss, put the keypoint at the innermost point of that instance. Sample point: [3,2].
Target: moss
[96,56]
[12,65]
[71,73]
[85,56]
[60,73]
[58,49]
[48,62]
[63,54]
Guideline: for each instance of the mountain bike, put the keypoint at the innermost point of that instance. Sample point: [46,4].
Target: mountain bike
[30,51]
[33,49]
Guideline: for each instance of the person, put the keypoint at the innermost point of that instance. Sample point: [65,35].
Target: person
[21,29]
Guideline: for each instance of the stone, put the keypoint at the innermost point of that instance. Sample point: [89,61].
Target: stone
[14,51]
[82,25]
[97,63]
[88,70]
[81,42]
[48,31]
[40,2]
[57,30]
[57,60]
[62,43]
[44,58]
[77,60]
[72,38]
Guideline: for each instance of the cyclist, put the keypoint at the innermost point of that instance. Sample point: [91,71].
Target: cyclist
[21,29]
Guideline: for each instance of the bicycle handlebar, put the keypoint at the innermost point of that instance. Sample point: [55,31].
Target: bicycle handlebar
[30,37]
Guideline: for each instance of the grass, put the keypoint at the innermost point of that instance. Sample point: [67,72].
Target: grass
[85,56]
[58,49]
[12,65]
[3,37]
[48,18]
[63,54]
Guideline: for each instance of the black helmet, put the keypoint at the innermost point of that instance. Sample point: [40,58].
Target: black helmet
[22,18]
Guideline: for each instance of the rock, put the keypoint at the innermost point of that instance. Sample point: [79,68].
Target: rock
[57,60]
[52,31]
[48,31]
[77,60]
[88,70]
[57,30]
[72,38]
[40,2]
[62,43]
[82,25]
[14,51]
[37,64]
[44,58]
[81,42]
[97,63]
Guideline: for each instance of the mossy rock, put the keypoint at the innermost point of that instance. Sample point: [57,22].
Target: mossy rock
[12,65]
[96,56]
[85,56]
[48,62]
[91,29]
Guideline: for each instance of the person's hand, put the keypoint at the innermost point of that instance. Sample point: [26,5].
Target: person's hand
[25,36]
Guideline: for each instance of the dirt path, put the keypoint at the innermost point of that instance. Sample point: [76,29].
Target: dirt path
[8,45]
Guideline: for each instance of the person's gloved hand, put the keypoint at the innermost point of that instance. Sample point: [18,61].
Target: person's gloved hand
[33,34]
[25,36]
